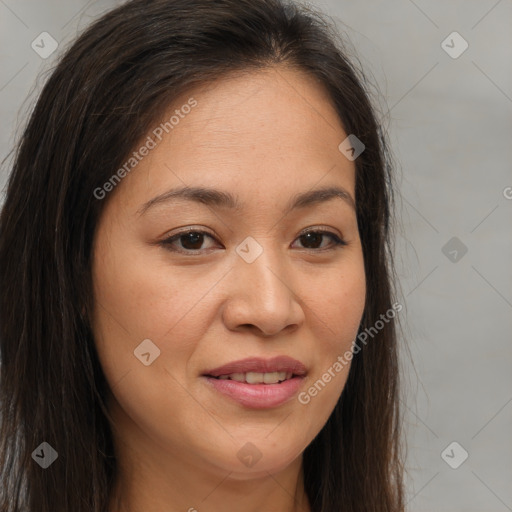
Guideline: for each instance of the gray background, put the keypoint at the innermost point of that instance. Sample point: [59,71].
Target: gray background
[450,125]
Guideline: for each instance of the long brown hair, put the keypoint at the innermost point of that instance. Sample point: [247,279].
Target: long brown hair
[101,99]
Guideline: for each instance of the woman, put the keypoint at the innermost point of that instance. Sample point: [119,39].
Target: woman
[196,305]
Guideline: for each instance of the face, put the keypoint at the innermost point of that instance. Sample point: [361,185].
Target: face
[188,325]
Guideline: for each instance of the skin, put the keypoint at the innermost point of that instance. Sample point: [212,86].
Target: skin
[264,136]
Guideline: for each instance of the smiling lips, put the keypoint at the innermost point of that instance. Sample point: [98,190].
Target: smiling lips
[258,383]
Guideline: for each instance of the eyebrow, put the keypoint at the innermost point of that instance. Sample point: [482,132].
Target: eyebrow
[219,198]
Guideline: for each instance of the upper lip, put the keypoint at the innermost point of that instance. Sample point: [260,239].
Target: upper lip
[260,365]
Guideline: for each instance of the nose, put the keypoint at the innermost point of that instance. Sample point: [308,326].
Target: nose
[261,296]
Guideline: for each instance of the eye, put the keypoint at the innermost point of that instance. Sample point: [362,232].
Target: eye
[191,241]
[314,238]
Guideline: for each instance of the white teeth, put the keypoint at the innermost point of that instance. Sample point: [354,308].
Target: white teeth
[258,378]
[273,378]
[255,378]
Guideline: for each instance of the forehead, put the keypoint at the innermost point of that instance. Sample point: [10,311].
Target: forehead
[259,134]
[277,111]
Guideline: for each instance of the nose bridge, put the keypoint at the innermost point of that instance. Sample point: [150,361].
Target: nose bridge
[264,269]
[263,294]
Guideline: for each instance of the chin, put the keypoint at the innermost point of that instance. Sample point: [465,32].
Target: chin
[258,460]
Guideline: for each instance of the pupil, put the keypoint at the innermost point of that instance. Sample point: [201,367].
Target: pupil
[313,237]
[193,238]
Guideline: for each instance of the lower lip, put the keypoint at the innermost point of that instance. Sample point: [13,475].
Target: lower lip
[257,396]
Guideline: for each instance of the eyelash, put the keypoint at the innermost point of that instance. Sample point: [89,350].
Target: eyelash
[167,243]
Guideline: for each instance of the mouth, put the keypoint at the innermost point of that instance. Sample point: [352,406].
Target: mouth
[258,383]
[256,377]
[257,370]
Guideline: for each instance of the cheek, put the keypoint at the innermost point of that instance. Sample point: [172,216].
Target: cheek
[348,306]
[340,304]
[338,314]
[138,298]
[136,291]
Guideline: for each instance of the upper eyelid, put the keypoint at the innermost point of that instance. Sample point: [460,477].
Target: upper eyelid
[323,229]
[202,229]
